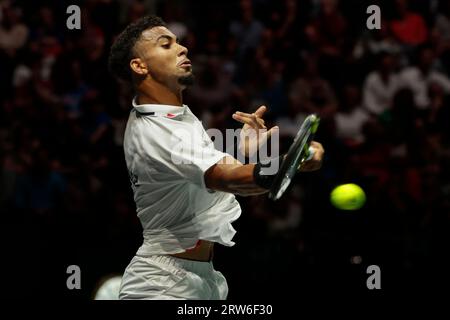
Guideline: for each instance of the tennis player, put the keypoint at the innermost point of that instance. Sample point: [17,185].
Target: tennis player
[183,187]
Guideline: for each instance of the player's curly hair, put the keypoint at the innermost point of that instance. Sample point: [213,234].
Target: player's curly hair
[122,49]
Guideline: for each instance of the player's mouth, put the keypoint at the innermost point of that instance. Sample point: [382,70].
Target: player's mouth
[185,64]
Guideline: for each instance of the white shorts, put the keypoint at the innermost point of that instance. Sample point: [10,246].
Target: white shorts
[165,277]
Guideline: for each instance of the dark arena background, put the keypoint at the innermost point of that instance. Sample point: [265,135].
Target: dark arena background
[382,95]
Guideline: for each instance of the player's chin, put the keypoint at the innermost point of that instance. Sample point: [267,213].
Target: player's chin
[187,79]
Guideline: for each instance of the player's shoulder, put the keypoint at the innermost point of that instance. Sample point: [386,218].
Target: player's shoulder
[162,128]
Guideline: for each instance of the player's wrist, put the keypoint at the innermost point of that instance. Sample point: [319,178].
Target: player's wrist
[264,173]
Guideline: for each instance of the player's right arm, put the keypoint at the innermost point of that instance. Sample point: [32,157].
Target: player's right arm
[230,175]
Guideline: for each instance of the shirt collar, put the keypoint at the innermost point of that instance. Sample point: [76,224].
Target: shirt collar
[162,110]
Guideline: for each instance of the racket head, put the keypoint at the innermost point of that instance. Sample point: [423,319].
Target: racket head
[298,152]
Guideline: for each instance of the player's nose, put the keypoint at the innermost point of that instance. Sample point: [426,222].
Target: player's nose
[183,50]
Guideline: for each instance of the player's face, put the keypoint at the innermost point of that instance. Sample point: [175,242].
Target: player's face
[166,59]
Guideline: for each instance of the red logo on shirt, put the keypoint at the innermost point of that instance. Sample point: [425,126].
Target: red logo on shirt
[170,115]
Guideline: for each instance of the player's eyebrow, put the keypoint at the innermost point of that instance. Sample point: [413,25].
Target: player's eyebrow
[166,36]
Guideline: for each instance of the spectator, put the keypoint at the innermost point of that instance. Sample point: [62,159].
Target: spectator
[213,93]
[351,117]
[441,35]
[40,189]
[418,78]
[380,85]
[313,93]
[408,27]
[375,42]
[13,33]
[247,30]
[327,34]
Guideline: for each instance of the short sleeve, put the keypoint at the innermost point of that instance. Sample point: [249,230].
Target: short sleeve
[181,149]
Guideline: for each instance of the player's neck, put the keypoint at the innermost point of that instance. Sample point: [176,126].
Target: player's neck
[155,93]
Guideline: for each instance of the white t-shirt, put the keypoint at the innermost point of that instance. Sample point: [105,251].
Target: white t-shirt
[167,152]
[350,125]
[419,83]
[377,94]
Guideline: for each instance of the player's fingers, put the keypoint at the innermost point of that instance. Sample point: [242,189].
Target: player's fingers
[318,149]
[250,119]
[258,123]
[308,166]
[261,111]
[242,119]
[316,144]
[254,115]
[261,123]
[315,162]
[244,114]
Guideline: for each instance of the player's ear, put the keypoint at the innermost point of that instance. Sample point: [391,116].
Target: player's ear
[138,66]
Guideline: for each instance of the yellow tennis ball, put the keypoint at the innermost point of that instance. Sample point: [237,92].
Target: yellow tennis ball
[348,197]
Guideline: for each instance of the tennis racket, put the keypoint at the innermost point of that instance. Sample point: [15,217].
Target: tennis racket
[298,152]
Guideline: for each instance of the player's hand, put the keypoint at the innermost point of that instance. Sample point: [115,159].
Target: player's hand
[315,163]
[254,133]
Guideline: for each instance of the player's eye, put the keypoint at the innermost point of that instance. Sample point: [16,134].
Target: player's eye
[166,45]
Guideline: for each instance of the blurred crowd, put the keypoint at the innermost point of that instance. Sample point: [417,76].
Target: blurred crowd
[382,96]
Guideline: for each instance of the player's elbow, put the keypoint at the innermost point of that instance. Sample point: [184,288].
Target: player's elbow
[215,178]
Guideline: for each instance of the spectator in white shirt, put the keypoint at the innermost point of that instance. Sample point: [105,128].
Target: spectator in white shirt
[381,85]
[351,117]
[419,78]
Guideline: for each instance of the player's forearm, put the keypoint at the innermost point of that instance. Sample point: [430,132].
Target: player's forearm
[233,178]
